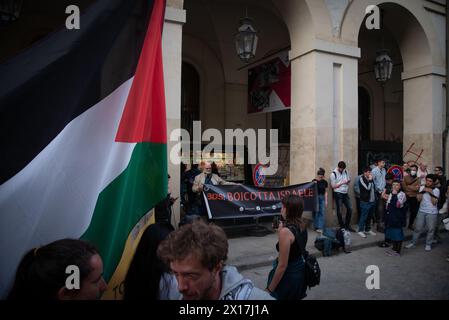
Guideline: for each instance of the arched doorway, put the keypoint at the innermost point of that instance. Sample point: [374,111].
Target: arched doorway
[404,122]
[224,88]
[190,96]
[364,114]
[381,132]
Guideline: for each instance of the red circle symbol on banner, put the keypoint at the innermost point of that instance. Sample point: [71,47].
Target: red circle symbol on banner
[258,175]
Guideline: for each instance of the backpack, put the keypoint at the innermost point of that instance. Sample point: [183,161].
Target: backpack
[328,242]
[312,268]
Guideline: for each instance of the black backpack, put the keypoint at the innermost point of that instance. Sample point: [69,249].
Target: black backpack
[312,268]
[313,271]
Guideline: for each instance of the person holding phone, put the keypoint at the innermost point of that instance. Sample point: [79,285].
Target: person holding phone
[367,202]
[340,180]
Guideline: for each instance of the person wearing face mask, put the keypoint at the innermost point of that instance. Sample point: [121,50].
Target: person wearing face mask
[410,185]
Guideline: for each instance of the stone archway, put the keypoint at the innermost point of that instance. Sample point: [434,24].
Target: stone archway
[423,73]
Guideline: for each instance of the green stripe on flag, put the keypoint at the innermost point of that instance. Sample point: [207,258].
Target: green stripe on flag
[126,200]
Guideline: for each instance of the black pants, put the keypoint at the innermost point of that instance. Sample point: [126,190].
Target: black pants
[397,246]
[414,206]
[380,208]
[340,200]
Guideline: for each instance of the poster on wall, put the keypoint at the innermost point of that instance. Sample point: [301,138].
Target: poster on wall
[269,85]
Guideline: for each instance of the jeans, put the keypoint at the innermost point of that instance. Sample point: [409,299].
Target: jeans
[318,217]
[343,198]
[365,218]
[425,220]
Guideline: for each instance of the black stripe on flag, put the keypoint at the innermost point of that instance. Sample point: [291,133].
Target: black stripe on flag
[47,86]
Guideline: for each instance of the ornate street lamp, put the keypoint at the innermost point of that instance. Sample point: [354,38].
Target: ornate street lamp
[383,67]
[9,11]
[246,40]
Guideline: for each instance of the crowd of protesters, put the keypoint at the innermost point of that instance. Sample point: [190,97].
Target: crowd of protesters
[190,262]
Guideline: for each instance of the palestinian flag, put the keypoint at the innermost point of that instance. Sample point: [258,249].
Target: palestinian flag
[83,134]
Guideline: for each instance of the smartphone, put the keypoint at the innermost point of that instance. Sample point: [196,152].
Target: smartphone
[276,222]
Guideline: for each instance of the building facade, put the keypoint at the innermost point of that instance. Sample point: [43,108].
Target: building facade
[338,111]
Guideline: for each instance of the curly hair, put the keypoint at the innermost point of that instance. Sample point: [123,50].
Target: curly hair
[206,241]
[294,207]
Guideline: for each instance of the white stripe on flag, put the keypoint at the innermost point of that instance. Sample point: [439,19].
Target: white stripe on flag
[54,196]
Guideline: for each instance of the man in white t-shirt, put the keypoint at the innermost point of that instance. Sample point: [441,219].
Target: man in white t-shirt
[428,212]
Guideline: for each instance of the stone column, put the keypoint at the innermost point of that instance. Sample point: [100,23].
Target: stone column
[324,120]
[172,56]
[424,104]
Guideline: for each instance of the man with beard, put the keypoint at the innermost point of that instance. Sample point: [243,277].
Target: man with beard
[206,177]
[196,254]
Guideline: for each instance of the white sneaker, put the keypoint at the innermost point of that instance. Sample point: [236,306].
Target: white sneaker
[371,233]
[362,234]
[428,248]
[410,245]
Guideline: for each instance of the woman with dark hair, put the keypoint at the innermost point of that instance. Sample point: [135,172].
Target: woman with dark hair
[147,276]
[286,280]
[41,274]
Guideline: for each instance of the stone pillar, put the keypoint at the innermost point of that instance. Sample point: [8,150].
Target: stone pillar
[424,105]
[324,112]
[172,56]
